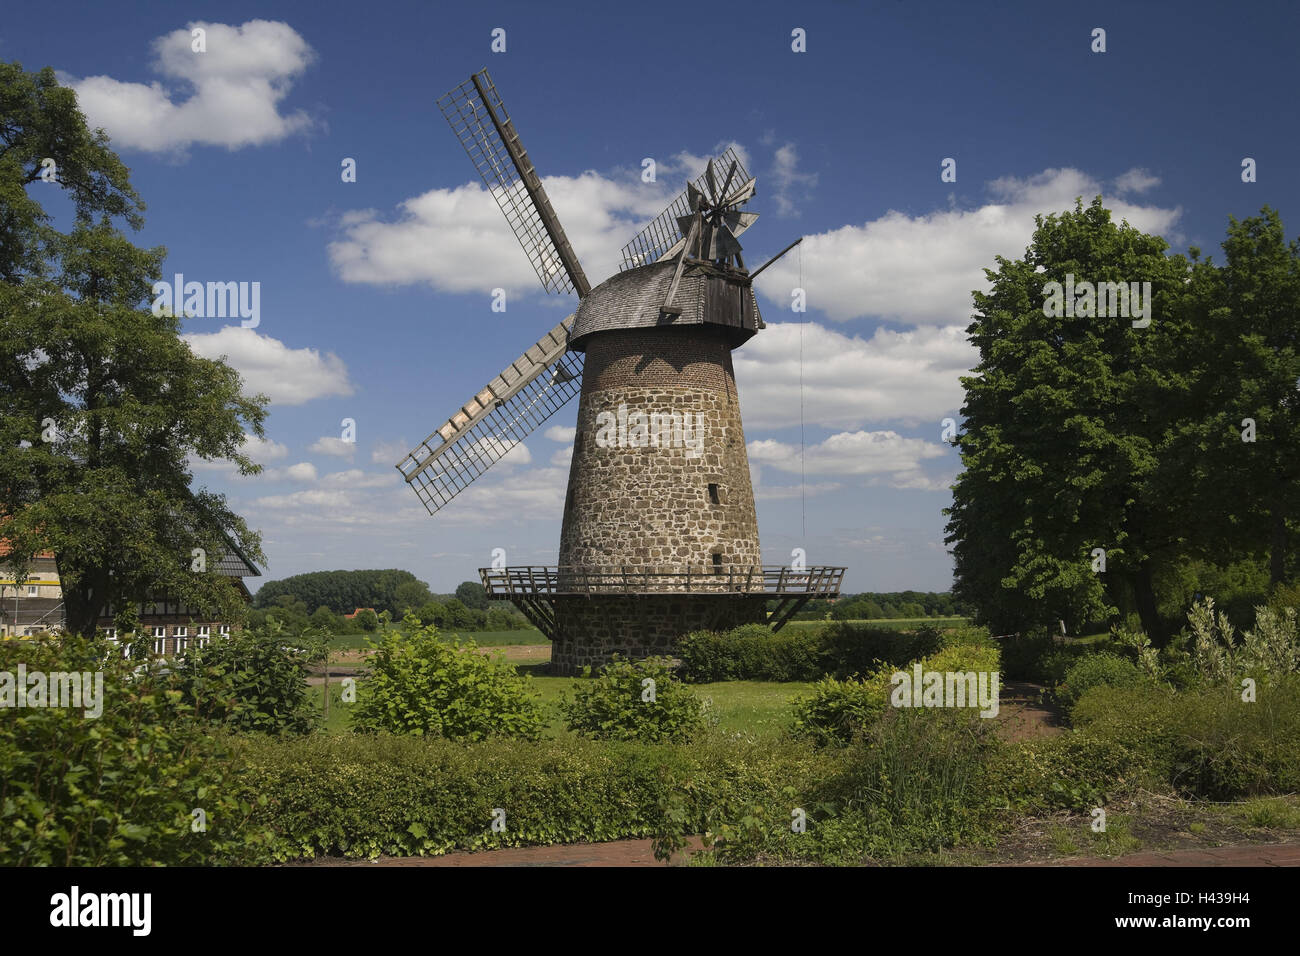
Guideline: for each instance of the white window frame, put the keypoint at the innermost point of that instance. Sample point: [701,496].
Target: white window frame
[182,638]
[225,630]
[204,635]
[33,590]
[160,640]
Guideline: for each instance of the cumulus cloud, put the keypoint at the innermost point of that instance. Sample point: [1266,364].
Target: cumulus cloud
[881,457]
[356,478]
[561,433]
[456,239]
[287,376]
[909,376]
[389,452]
[788,184]
[230,95]
[921,269]
[1136,181]
[336,447]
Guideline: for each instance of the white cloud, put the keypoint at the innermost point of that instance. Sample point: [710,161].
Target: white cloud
[313,498]
[561,433]
[909,377]
[389,452]
[287,376]
[882,457]
[921,269]
[356,478]
[456,239]
[303,471]
[1136,181]
[262,450]
[336,447]
[563,458]
[228,96]
[788,184]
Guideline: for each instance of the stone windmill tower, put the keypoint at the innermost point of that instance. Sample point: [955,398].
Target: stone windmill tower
[660,534]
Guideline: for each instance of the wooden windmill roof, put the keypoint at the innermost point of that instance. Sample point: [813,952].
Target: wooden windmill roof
[632,300]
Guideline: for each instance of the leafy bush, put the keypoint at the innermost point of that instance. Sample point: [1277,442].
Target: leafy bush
[420,685]
[750,652]
[1037,657]
[861,648]
[252,681]
[118,789]
[913,782]
[362,797]
[1205,741]
[634,700]
[838,711]
[1075,771]
[1093,670]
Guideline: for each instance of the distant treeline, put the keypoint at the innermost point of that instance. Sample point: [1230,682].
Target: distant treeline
[320,598]
[344,591]
[884,605]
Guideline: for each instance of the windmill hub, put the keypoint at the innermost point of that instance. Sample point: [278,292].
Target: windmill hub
[659,537]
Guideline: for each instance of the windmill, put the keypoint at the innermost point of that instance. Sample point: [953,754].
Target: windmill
[660,533]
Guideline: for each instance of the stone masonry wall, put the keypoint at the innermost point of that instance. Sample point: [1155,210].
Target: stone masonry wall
[592,630]
[660,507]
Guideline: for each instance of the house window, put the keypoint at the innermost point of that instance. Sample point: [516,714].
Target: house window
[182,638]
[717,562]
[160,640]
[33,590]
[203,635]
[225,630]
[713,494]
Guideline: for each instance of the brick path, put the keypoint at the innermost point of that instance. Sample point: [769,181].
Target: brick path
[637,853]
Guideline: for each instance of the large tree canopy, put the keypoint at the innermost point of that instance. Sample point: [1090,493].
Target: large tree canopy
[102,405]
[1101,458]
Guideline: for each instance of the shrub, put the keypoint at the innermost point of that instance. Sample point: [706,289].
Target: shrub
[1205,741]
[362,797]
[634,700]
[1094,670]
[838,711]
[118,789]
[252,681]
[420,685]
[1074,771]
[750,652]
[862,648]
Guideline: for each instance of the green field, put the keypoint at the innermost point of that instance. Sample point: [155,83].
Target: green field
[352,642]
[891,624]
[760,709]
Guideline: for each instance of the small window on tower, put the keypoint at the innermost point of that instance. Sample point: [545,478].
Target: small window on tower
[717,561]
[713,494]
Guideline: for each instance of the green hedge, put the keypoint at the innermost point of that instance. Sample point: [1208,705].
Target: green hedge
[362,797]
[752,652]
[1204,741]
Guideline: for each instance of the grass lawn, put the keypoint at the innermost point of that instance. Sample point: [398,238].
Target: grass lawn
[347,642]
[759,708]
[891,624]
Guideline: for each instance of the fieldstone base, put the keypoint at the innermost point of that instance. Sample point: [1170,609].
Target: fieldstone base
[591,630]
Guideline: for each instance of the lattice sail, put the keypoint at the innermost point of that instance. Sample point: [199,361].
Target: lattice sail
[526,393]
[481,123]
[654,241]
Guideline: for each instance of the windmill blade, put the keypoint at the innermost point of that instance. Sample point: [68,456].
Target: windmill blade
[526,393]
[743,194]
[481,123]
[738,222]
[661,238]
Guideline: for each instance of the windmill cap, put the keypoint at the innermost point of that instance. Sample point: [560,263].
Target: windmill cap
[633,300]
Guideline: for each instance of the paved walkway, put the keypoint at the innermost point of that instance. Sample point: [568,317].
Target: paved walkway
[637,853]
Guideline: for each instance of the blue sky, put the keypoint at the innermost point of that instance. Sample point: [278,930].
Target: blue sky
[375,295]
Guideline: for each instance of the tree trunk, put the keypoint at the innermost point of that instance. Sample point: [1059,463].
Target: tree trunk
[1277,542]
[82,601]
[1145,596]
